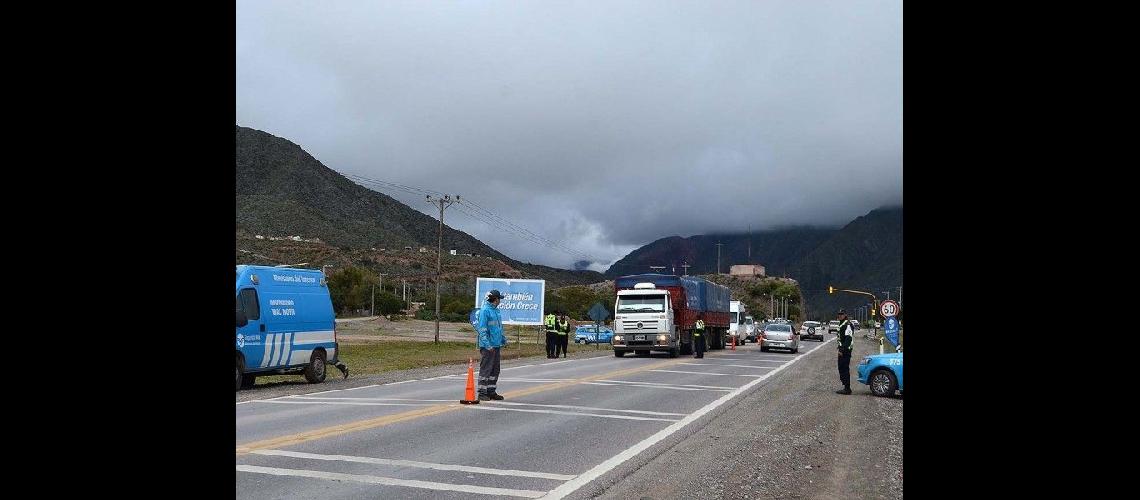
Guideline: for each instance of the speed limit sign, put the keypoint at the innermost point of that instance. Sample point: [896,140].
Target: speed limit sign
[889,308]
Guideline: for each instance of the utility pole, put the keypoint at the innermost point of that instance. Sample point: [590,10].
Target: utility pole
[374,293]
[900,295]
[718,245]
[444,202]
[686,266]
[404,289]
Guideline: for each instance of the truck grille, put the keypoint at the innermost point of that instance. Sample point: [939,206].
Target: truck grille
[646,325]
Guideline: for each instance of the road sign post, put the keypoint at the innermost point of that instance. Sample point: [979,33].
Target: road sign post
[598,313]
[891,310]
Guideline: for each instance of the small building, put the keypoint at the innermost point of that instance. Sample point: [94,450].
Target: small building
[747,270]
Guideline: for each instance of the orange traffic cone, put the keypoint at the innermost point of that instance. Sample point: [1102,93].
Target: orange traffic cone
[469,398]
[734,342]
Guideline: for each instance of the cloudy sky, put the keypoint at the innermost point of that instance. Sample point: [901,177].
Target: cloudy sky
[601,124]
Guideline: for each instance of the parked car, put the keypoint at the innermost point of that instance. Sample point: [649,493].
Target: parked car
[811,330]
[590,334]
[883,372]
[779,336]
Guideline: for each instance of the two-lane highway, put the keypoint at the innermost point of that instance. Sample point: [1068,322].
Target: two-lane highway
[562,425]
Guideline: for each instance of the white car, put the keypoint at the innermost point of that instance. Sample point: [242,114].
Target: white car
[811,330]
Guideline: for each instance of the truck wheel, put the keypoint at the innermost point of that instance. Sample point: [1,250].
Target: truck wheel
[763,349]
[315,372]
[883,383]
[673,352]
[619,354]
[686,349]
[641,352]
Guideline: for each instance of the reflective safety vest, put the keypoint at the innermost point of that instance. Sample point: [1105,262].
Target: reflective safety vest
[563,328]
[550,319]
[699,328]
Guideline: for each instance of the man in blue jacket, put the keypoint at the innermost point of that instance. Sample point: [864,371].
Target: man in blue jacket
[491,338]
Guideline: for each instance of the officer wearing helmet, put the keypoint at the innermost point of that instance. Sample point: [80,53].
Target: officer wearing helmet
[491,339]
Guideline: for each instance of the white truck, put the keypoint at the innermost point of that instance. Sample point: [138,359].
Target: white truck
[739,323]
[657,312]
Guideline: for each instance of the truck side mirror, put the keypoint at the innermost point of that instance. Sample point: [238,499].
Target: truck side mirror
[241,319]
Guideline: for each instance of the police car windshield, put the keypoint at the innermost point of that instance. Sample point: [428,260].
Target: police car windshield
[641,303]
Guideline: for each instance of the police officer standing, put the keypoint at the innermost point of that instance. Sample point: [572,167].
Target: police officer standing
[699,338]
[846,337]
[491,340]
[551,335]
[563,334]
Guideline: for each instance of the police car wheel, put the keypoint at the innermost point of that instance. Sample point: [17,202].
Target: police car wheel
[883,383]
[238,368]
[315,371]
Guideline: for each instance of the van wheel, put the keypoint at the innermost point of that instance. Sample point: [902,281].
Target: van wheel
[315,372]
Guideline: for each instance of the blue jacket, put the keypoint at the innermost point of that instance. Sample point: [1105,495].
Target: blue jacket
[490,327]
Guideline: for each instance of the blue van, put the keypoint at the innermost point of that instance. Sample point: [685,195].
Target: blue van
[285,324]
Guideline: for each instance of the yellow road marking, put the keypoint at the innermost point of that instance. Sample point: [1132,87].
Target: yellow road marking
[373,423]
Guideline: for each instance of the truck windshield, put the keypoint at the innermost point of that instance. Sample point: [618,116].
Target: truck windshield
[641,303]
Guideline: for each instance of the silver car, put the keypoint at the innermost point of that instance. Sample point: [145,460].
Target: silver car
[811,330]
[779,336]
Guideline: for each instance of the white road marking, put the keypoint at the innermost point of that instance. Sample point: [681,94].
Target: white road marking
[669,385]
[655,386]
[336,476]
[592,474]
[707,373]
[588,408]
[738,366]
[574,413]
[412,463]
[323,402]
[374,399]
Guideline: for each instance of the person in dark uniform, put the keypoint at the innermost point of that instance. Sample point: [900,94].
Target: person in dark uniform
[846,337]
[551,334]
[563,334]
[699,338]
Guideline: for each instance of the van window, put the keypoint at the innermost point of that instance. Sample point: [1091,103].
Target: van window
[249,304]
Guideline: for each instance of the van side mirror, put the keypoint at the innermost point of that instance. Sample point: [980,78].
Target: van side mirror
[241,319]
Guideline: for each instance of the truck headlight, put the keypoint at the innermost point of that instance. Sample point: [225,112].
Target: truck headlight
[618,338]
[662,338]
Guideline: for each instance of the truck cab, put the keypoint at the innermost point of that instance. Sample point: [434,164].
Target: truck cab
[739,322]
[644,322]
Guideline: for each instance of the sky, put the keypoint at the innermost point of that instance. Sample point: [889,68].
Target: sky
[599,125]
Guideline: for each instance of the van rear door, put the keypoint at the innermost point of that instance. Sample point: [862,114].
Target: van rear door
[251,337]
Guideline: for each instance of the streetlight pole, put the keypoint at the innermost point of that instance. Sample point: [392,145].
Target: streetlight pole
[444,202]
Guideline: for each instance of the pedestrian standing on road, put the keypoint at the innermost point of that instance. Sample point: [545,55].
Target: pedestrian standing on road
[846,337]
[563,334]
[491,339]
[699,338]
[551,334]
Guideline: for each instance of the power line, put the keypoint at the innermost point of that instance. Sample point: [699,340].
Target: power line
[475,212]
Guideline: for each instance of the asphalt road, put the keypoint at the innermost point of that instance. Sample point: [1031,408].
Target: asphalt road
[566,429]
